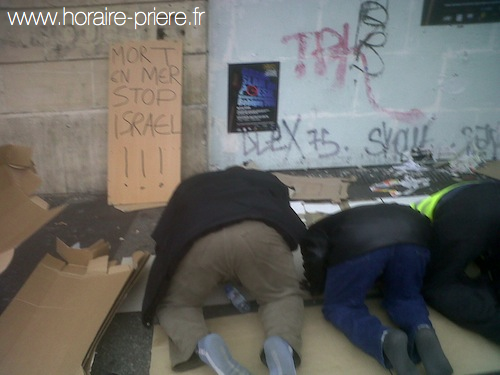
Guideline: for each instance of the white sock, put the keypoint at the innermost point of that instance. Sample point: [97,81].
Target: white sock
[213,351]
[279,356]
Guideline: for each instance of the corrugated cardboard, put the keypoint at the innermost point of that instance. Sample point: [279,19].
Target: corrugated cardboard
[57,318]
[327,351]
[21,213]
[490,169]
[332,189]
[144,122]
[82,258]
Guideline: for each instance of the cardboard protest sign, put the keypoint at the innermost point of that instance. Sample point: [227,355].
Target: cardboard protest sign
[144,121]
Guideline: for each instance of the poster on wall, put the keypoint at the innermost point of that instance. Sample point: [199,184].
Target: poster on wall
[253,97]
[144,122]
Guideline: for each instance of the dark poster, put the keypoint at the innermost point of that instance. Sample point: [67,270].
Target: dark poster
[253,97]
[458,12]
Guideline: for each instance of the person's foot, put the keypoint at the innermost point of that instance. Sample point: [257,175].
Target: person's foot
[395,347]
[431,353]
[213,351]
[279,356]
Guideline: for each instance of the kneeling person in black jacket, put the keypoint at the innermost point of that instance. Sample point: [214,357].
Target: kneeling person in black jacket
[234,225]
[466,236]
[345,254]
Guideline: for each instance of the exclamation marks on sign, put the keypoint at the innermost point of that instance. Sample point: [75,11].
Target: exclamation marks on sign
[143,167]
[125,164]
[160,152]
[148,166]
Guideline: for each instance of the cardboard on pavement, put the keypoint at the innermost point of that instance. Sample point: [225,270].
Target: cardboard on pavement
[332,189]
[56,320]
[21,213]
[490,169]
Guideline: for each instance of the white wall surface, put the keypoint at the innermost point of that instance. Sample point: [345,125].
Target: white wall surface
[342,103]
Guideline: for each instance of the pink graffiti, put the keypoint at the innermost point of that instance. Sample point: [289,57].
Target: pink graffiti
[340,52]
[300,67]
[411,116]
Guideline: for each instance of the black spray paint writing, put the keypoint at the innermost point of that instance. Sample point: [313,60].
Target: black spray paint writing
[370,35]
[483,138]
[384,139]
[284,140]
[323,144]
[281,140]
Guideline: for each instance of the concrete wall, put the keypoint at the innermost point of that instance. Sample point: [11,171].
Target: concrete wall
[435,87]
[53,86]
[361,82]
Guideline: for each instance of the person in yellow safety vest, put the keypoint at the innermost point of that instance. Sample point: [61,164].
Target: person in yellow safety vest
[462,281]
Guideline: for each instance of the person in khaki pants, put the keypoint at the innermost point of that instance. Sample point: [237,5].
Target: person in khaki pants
[237,226]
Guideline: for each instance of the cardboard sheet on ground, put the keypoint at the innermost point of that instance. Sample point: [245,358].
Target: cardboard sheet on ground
[490,169]
[144,122]
[56,320]
[326,351]
[332,189]
[21,213]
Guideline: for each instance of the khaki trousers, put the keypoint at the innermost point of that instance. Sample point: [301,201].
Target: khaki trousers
[250,253]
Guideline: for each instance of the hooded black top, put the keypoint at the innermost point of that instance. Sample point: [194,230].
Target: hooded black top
[356,231]
[210,201]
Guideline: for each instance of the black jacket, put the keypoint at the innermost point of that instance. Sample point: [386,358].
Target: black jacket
[466,226]
[210,201]
[356,231]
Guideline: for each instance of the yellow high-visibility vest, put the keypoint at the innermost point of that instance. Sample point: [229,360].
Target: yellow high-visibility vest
[427,205]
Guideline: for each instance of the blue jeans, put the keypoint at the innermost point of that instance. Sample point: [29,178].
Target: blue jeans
[401,268]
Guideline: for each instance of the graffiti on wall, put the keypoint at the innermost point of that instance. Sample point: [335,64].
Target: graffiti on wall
[482,139]
[284,140]
[384,139]
[329,47]
[330,51]
[381,140]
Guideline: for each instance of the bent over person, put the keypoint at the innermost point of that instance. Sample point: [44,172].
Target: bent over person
[346,254]
[463,279]
[234,225]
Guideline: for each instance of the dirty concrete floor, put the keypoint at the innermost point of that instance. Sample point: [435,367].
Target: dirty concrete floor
[125,348]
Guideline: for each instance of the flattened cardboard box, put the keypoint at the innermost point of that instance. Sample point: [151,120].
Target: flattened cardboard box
[490,169]
[332,189]
[21,213]
[56,320]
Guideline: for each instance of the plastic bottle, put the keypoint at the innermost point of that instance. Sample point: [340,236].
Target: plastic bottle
[237,299]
